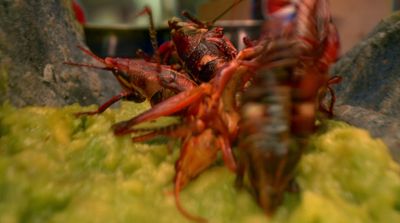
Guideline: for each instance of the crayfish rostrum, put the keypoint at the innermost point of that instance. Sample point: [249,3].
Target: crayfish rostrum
[265,98]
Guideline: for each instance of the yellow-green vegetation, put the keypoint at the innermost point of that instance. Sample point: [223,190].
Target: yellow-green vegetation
[55,167]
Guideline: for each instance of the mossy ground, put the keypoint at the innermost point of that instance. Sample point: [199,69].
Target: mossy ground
[55,167]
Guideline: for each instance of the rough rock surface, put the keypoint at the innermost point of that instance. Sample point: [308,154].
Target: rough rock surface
[369,95]
[36,37]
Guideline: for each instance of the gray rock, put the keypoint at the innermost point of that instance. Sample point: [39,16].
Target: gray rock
[36,38]
[369,95]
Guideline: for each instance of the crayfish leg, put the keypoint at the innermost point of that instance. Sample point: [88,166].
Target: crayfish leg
[178,204]
[227,154]
[122,95]
[322,108]
[176,131]
[198,153]
[168,107]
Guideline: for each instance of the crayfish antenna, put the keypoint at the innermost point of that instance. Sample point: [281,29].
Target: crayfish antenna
[225,11]
[193,19]
[86,65]
[153,35]
[182,210]
[90,53]
[211,23]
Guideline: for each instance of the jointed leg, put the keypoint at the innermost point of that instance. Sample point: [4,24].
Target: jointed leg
[106,105]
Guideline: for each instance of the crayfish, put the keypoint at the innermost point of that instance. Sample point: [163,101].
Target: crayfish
[200,48]
[202,51]
[279,111]
[265,98]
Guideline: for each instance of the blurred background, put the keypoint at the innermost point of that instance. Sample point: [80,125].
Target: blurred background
[109,23]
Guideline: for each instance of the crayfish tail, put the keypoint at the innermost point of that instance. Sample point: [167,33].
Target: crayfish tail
[181,209]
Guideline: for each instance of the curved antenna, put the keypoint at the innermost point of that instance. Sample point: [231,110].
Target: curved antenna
[225,11]
[153,34]
[87,65]
[209,24]
[194,20]
[90,53]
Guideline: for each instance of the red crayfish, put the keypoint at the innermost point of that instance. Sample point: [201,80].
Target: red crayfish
[200,50]
[148,79]
[279,110]
[283,76]
[295,62]
[140,80]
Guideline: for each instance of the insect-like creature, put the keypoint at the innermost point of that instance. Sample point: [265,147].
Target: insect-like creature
[279,110]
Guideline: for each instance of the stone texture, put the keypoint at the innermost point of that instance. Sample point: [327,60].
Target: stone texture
[36,37]
[369,95]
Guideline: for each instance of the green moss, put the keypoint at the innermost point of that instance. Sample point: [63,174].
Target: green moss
[58,168]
